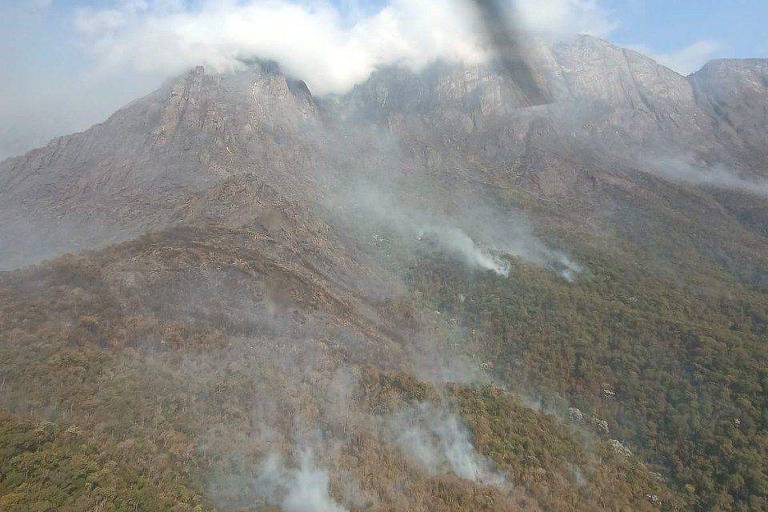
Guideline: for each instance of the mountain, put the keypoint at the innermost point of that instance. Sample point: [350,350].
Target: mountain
[420,295]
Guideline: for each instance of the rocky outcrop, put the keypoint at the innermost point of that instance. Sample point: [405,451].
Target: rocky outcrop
[131,173]
[736,92]
[465,126]
[608,101]
[619,448]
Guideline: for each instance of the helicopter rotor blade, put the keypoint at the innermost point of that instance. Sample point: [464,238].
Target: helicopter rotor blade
[506,41]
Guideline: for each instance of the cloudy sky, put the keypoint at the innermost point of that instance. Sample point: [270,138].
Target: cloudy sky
[67,64]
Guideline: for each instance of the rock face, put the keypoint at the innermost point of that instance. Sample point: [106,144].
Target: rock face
[735,91]
[575,415]
[286,269]
[130,173]
[619,448]
[609,101]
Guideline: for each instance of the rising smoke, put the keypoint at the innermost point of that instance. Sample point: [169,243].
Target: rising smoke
[437,440]
[301,489]
[415,215]
[718,176]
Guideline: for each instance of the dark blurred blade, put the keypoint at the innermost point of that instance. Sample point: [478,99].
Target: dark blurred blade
[505,38]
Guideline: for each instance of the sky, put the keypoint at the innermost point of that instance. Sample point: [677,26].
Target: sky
[67,64]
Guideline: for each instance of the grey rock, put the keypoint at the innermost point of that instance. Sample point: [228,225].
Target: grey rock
[619,448]
[465,127]
[600,425]
[575,415]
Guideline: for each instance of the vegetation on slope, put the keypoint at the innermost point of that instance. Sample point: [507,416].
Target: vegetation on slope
[45,467]
[681,375]
[181,400]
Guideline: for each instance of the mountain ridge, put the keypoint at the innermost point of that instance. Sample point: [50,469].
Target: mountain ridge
[417,296]
[642,111]
[760,62]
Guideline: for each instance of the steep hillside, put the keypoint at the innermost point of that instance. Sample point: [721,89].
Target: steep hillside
[735,90]
[129,174]
[193,349]
[421,295]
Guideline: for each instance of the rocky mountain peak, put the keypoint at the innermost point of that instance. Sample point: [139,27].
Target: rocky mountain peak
[362,294]
[204,127]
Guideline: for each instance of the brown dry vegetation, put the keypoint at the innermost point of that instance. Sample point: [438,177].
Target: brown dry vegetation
[171,383]
[276,313]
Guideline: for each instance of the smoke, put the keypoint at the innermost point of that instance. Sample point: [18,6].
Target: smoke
[301,489]
[419,213]
[478,235]
[717,176]
[424,230]
[439,441]
[455,241]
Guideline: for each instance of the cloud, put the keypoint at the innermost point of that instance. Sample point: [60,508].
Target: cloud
[36,6]
[310,41]
[47,89]
[72,67]
[313,41]
[685,60]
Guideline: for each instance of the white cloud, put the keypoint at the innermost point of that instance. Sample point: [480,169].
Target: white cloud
[311,40]
[685,60]
[103,56]
[42,4]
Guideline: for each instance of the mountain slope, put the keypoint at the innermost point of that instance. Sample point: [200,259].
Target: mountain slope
[130,173]
[417,296]
[218,357]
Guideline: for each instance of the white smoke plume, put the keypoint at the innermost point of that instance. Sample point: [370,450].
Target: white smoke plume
[522,244]
[482,238]
[302,489]
[457,242]
[439,441]
[717,176]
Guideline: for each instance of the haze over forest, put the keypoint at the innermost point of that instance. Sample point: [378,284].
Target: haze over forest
[433,255]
